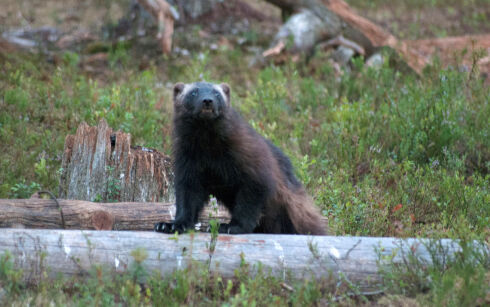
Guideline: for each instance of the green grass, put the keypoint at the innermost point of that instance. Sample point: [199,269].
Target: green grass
[448,280]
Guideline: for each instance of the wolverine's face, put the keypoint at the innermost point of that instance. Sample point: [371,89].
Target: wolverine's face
[201,99]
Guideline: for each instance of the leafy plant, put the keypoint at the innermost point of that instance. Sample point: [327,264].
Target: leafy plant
[10,278]
[458,280]
[23,190]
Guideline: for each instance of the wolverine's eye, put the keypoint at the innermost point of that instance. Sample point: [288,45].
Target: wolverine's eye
[194,93]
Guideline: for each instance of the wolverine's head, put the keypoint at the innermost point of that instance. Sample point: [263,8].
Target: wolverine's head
[201,100]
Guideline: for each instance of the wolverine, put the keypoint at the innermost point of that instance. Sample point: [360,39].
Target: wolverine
[216,152]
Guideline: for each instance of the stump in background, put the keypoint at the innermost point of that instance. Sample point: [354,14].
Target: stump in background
[101,165]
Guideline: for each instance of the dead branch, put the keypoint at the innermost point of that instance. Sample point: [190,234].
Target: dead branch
[165,17]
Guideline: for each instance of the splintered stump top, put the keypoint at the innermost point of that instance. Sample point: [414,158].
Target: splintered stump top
[100,164]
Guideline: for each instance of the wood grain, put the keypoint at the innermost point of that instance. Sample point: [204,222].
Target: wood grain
[100,163]
[79,214]
[73,252]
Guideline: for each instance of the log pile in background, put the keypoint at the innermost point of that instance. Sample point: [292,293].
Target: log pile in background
[315,21]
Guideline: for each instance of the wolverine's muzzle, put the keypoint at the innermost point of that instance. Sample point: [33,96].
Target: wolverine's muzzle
[208,108]
[207,104]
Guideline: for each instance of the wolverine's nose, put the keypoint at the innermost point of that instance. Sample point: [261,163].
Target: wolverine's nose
[207,102]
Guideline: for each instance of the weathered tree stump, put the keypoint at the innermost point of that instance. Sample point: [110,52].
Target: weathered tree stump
[101,165]
[78,214]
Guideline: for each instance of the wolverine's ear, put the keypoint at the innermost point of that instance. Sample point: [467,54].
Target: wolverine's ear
[178,88]
[226,89]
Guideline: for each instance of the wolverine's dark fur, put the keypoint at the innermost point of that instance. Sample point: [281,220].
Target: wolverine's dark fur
[216,152]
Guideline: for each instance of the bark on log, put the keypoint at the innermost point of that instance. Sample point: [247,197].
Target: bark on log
[44,213]
[326,19]
[72,252]
[101,164]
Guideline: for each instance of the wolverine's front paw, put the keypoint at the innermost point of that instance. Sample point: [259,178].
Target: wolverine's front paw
[163,227]
[230,229]
[169,227]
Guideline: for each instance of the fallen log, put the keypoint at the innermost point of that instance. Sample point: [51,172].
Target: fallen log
[349,259]
[78,214]
[458,51]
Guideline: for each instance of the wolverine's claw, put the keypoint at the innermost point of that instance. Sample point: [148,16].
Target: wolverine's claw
[160,227]
[169,227]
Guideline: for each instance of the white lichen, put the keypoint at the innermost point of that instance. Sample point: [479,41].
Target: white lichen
[334,252]
[67,250]
[281,257]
